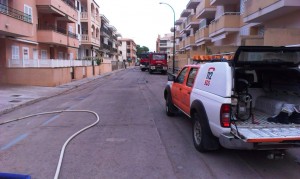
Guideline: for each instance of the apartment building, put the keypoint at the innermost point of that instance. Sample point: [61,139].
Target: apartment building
[220,26]
[128,49]
[164,44]
[89,29]
[31,33]
[109,41]
[49,42]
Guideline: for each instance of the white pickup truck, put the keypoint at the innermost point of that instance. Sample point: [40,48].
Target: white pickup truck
[240,103]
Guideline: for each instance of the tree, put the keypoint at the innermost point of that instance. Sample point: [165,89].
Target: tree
[140,50]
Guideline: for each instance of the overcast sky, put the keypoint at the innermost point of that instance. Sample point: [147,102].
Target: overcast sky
[142,20]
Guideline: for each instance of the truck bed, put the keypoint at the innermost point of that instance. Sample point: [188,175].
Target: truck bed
[265,131]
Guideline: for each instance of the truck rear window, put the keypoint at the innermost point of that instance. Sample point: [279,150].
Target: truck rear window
[270,57]
[159,57]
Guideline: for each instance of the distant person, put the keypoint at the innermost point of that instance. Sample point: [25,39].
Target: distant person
[124,64]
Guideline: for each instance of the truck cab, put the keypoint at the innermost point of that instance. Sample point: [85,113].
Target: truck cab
[158,63]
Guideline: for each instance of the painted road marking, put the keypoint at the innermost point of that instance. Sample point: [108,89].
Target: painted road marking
[15,141]
[50,120]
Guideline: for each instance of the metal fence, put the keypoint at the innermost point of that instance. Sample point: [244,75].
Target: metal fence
[49,63]
[115,65]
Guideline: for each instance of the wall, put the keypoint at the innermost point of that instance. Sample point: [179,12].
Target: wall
[38,76]
[105,68]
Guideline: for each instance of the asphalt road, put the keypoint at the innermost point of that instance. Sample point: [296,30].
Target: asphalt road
[134,139]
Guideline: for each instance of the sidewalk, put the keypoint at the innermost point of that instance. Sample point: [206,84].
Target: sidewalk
[14,96]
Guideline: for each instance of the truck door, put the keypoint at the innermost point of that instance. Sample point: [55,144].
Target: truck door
[177,87]
[186,90]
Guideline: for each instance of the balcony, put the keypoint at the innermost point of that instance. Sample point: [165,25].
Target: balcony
[190,42]
[182,45]
[11,18]
[205,10]
[223,2]
[96,41]
[105,48]
[96,19]
[65,9]
[263,11]
[202,35]
[84,17]
[179,21]
[192,4]
[51,34]
[192,22]
[177,35]
[177,48]
[105,32]
[73,40]
[229,22]
[186,13]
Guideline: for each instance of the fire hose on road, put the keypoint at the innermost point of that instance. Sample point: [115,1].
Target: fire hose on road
[68,140]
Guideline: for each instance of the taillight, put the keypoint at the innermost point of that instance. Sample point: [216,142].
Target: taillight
[225,115]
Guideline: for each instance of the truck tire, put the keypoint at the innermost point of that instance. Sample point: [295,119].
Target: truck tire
[150,71]
[202,136]
[143,69]
[170,108]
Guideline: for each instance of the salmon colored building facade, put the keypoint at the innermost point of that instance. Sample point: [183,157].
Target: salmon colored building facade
[48,42]
[209,27]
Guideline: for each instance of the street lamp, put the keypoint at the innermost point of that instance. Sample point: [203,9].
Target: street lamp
[173,35]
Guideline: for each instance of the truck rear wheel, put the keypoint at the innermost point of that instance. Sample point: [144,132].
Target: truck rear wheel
[202,136]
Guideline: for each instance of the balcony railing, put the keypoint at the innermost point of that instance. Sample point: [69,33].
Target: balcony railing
[9,11]
[84,15]
[70,3]
[109,33]
[72,35]
[50,63]
[229,20]
[52,27]
[96,40]
[84,37]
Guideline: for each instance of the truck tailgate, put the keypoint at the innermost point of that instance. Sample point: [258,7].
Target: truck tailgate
[265,131]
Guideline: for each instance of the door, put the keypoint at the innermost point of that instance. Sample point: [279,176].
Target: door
[52,53]
[35,54]
[25,55]
[187,89]
[71,56]
[177,87]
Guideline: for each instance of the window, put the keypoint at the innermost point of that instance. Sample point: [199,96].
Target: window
[60,55]
[181,76]
[44,54]
[15,52]
[28,13]
[71,29]
[191,77]
[25,53]
[159,57]
[71,56]
[78,28]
